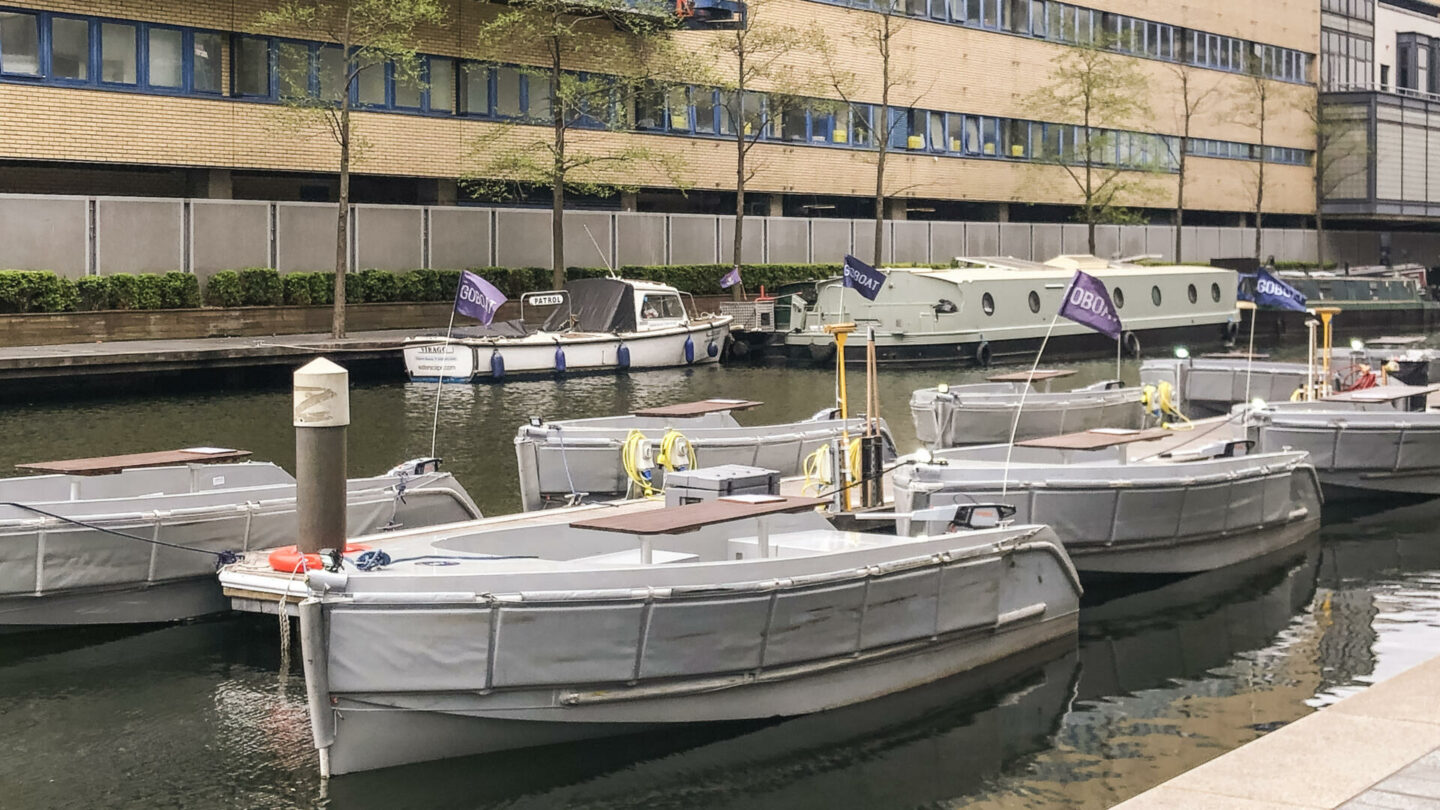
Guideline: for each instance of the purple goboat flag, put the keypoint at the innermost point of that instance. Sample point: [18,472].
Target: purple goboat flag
[863,278]
[730,279]
[1087,302]
[477,298]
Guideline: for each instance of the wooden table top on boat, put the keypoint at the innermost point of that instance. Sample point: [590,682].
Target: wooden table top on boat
[1236,356]
[1382,393]
[698,408]
[688,518]
[1097,439]
[108,465]
[1027,376]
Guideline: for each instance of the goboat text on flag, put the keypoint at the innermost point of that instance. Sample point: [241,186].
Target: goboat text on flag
[863,278]
[1265,290]
[477,298]
[1088,303]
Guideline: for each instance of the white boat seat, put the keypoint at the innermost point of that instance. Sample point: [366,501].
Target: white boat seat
[631,556]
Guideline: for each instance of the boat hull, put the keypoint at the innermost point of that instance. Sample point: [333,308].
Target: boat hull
[959,417]
[1359,454]
[55,573]
[458,674]
[497,359]
[1117,519]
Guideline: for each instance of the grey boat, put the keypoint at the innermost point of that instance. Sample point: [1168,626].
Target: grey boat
[621,618]
[140,544]
[1371,443]
[608,457]
[1210,385]
[984,413]
[1136,502]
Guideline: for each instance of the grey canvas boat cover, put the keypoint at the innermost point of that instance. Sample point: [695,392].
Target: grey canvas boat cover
[498,329]
[598,305]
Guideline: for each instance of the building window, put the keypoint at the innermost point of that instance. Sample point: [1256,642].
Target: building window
[117,53]
[704,105]
[205,71]
[166,63]
[19,43]
[69,48]
[677,103]
[370,85]
[507,92]
[252,66]
[474,89]
[331,74]
[537,97]
[292,70]
[440,73]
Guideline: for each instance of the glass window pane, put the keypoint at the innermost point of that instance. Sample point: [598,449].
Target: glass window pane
[991,133]
[704,110]
[507,92]
[442,84]
[677,102]
[538,97]
[117,53]
[792,122]
[331,70]
[252,67]
[753,113]
[937,131]
[19,43]
[69,48]
[371,85]
[292,69]
[166,65]
[407,89]
[860,127]
[474,89]
[206,67]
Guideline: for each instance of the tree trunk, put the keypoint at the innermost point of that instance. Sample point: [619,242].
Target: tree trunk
[1180,207]
[1319,226]
[1260,175]
[882,140]
[557,175]
[342,224]
[880,202]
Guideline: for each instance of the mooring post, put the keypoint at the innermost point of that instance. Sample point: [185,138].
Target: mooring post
[322,412]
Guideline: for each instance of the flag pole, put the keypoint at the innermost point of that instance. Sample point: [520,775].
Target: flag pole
[1118,345]
[1249,356]
[1015,422]
[440,377]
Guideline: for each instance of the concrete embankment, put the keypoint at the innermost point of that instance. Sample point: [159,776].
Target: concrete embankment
[1376,749]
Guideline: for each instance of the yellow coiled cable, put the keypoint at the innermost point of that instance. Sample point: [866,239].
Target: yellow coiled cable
[630,458]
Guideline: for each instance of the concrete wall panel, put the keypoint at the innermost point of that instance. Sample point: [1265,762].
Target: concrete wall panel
[1046,241]
[1204,245]
[389,237]
[692,240]
[829,240]
[43,233]
[1015,240]
[1074,239]
[1160,241]
[139,236]
[459,237]
[1235,243]
[1132,240]
[304,237]
[910,242]
[864,230]
[1107,241]
[1300,245]
[641,238]
[1423,248]
[947,240]
[787,240]
[982,238]
[522,238]
[587,239]
[229,235]
[1272,243]
[752,246]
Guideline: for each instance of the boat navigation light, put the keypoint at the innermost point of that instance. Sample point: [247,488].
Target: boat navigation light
[1357,345]
[1257,403]
[1181,353]
[923,455]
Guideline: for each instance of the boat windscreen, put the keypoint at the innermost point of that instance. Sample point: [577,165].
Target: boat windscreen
[598,305]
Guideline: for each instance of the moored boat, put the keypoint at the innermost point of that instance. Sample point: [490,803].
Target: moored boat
[597,325]
[988,309]
[985,413]
[601,458]
[132,539]
[485,639]
[1134,502]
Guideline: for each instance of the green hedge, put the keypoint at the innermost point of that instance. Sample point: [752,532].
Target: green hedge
[44,291]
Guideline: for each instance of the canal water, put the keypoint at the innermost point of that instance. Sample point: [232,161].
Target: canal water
[1165,677]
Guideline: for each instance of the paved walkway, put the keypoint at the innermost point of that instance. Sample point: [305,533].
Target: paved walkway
[1376,750]
[138,356]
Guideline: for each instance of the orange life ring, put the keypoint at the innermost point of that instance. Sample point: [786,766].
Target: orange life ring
[289,560]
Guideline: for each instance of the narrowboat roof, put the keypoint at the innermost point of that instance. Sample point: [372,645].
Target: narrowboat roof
[1061,268]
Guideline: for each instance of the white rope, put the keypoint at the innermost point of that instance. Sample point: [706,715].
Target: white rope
[1015,423]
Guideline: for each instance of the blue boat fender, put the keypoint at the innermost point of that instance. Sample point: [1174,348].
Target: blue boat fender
[689,349]
[622,356]
[559,358]
[711,349]
[497,365]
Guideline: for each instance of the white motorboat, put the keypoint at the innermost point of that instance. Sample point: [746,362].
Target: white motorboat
[132,539]
[1134,502]
[611,619]
[983,310]
[597,325]
[984,413]
[607,457]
